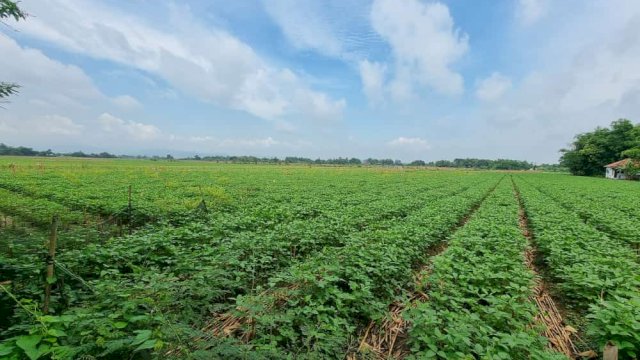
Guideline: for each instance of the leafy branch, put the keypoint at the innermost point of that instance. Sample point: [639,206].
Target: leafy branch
[10,9]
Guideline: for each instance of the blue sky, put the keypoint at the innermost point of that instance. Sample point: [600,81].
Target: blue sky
[402,79]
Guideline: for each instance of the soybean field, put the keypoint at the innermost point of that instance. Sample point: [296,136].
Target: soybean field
[140,259]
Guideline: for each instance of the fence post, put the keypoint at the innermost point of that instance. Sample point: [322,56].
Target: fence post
[130,210]
[202,206]
[610,352]
[53,238]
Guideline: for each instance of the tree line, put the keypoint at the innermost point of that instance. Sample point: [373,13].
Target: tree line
[470,163]
[591,151]
[500,164]
[296,160]
[27,151]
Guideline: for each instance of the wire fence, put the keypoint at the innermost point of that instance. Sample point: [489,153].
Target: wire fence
[64,269]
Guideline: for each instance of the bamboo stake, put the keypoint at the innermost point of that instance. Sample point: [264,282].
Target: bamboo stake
[53,238]
[129,209]
[610,352]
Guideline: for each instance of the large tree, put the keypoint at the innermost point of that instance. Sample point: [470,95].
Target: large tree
[592,150]
[9,9]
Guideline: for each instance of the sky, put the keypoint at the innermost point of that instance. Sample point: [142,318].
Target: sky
[400,79]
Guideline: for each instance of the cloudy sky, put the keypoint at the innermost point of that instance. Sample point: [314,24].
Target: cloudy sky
[403,79]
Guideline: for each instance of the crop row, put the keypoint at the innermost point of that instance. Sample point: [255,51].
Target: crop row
[314,308]
[197,268]
[162,194]
[260,212]
[165,191]
[237,262]
[616,194]
[597,209]
[596,275]
[36,211]
[479,292]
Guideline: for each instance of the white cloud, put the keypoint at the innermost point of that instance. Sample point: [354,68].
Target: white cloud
[210,64]
[528,12]
[126,102]
[200,139]
[372,75]
[212,143]
[266,142]
[412,143]
[5,128]
[586,78]
[57,125]
[492,87]
[44,81]
[300,23]
[58,102]
[50,126]
[334,28]
[53,98]
[85,121]
[425,44]
[320,105]
[580,70]
[132,129]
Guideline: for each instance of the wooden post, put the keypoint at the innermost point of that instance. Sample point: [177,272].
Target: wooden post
[610,352]
[130,210]
[202,206]
[53,238]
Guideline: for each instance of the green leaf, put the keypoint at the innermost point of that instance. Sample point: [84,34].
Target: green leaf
[29,343]
[62,352]
[120,325]
[138,318]
[56,333]
[159,345]
[149,344]
[143,335]
[49,319]
[6,349]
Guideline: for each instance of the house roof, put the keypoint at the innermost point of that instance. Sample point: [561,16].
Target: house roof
[618,164]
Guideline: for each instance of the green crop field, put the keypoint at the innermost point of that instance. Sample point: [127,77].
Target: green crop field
[204,260]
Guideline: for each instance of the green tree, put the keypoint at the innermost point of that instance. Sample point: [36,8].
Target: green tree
[9,9]
[592,150]
[632,153]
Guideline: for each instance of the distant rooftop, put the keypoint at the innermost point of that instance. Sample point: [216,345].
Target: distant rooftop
[618,164]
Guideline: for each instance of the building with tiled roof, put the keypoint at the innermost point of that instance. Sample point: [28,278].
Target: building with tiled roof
[618,170]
